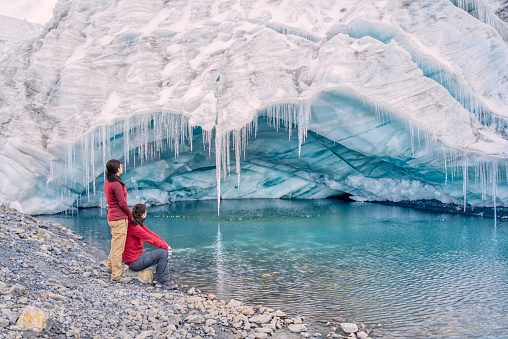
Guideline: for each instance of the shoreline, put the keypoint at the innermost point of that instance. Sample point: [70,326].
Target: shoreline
[46,268]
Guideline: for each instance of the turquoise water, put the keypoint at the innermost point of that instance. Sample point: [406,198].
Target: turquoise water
[417,274]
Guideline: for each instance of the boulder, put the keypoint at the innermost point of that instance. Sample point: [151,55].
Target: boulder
[35,319]
[144,276]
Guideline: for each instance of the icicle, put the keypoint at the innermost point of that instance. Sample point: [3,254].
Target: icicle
[126,147]
[218,164]
[237,135]
[303,124]
[464,182]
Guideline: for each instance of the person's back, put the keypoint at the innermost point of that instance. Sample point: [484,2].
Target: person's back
[118,215]
[114,192]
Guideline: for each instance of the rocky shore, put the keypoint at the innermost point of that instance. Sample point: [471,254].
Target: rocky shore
[55,285]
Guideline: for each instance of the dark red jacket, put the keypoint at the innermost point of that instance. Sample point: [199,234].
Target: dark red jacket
[136,235]
[116,195]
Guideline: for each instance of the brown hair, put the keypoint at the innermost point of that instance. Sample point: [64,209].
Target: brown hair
[137,212]
[112,167]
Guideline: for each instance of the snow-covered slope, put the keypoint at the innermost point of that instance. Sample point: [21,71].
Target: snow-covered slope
[389,100]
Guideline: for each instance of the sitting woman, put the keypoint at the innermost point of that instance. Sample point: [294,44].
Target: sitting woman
[133,253]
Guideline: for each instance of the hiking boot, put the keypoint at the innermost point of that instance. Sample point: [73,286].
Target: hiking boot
[168,285]
[122,279]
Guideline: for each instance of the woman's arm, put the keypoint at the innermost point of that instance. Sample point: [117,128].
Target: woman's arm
[153,233]
[146,235]
[120,197]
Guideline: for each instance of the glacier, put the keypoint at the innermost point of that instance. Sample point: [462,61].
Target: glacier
[375,100]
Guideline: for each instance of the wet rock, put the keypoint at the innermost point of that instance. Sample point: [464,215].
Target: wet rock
[279,314]
[234,303]
[362,335]
[297,328]
[248,311]
[35,319]
[261,319]
[349,327]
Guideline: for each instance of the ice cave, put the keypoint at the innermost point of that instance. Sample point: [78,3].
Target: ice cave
[389,101]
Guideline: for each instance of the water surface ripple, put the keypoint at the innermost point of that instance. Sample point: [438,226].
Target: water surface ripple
[417,274]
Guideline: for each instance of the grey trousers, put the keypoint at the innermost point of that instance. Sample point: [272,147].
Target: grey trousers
[147,259]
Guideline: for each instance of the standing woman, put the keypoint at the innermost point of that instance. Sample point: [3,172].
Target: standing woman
[118,216]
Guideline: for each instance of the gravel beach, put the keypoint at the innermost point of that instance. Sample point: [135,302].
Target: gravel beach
[55,285]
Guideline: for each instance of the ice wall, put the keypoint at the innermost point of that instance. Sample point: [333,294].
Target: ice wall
[382,100]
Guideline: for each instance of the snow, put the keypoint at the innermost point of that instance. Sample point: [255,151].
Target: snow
[383,100]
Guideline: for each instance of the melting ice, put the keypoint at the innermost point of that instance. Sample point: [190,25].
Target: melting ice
[379,100]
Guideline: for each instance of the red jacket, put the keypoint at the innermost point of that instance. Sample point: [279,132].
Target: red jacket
[136,235]
[116,195]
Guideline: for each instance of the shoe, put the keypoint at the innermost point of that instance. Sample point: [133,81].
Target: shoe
[168,285]
[122,279]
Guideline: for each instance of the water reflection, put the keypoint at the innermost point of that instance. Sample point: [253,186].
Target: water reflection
[219,259]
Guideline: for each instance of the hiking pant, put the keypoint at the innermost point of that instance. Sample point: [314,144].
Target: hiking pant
[118,235]
[147,259]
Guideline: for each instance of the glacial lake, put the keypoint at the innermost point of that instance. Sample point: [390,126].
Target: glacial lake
[405,273]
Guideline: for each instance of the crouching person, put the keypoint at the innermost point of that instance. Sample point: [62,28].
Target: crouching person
[133,253]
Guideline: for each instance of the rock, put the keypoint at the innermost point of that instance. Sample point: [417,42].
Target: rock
[55,296]
[349,327]
[144,276]
[195,319]
[260,335]
[297,328]
[234,303]
[264,330]
[210,322]
[362,335]
[297,321]
[35,319]
[241,335]
[261,319]
[144,334]
[209,330]
[279,314]
[248,311]
[211,297]
[4,322]
[2,285]
[191,291]
[42,233]
[17,290]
